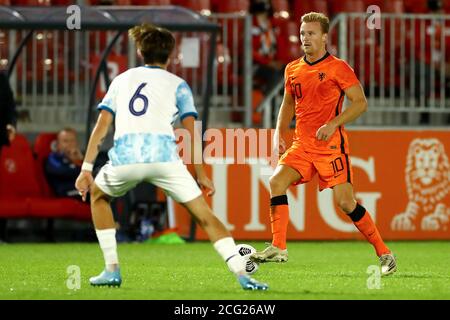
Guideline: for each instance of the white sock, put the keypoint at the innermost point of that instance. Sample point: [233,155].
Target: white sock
[228,251]
[108,244]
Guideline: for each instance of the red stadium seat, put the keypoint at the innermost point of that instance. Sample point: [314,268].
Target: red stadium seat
[416,6]
[16,179]
[31,2]
[288,42]
[302,7]
[361,57]
[347,6]
[42,58]
[224,64]
[66,208]
[393,6]
[21,192]
[202,6]
[17,176]
[4,39]
[151,2]
[387,6]
[44,144]
[281,9]
[364,66]
[379,3]
[13,207]
[292,52]
[123,2]
[44,66]
[447,6]
[63,2]
[233,6]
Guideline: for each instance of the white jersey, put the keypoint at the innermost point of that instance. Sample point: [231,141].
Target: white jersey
[146,102]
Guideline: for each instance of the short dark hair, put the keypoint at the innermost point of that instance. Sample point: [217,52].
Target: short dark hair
[155,44]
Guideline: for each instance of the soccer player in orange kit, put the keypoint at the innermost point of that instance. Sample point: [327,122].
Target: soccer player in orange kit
[315,86]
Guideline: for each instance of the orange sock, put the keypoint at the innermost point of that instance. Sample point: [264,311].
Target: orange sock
[362,220]
[279,219]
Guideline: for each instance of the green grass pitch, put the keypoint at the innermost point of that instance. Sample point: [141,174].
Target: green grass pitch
[316,270]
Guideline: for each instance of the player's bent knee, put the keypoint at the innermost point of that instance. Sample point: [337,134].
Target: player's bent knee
[347,205]
[277,186]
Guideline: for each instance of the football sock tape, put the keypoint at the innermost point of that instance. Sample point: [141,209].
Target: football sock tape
[358,213]
[279,200]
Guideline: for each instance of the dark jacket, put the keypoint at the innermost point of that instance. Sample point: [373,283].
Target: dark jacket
[7,108]
[61,174]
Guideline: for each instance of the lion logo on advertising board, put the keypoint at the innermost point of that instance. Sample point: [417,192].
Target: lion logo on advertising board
[427,181]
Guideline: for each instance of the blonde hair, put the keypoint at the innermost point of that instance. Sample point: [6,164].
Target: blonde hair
[317,17]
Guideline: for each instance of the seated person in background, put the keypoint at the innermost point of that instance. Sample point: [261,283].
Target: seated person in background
[64,165]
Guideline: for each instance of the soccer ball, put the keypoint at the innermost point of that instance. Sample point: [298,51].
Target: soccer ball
[246,251]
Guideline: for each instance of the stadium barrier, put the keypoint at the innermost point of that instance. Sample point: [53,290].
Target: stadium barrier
[55,69]
[402,63]
[401,177]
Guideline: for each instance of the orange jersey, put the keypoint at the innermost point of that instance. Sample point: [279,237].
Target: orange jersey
[318,90]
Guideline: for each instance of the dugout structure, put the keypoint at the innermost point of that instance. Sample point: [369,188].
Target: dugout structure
[118,20]
[27,21]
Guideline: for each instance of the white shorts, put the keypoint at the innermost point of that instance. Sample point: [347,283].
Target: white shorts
[172,177]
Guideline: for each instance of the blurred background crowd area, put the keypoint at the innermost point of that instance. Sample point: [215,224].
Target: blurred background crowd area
[403,63]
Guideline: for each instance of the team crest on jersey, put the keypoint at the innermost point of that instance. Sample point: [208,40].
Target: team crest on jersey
[322,76]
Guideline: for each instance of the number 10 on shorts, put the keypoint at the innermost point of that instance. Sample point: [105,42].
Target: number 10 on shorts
[337,165]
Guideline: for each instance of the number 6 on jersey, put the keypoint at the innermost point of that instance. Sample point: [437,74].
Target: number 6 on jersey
[139,95]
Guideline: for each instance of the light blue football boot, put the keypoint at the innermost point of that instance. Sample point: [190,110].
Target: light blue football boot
[106,278]
[248,283]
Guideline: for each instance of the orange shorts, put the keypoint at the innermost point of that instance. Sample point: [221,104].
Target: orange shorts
[333,169]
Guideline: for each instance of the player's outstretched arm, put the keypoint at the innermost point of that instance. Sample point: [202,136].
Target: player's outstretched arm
[98,135]
[358,105]
[285,115]
[197,155]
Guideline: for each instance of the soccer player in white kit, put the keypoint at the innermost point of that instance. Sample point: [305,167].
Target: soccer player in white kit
[144,102]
